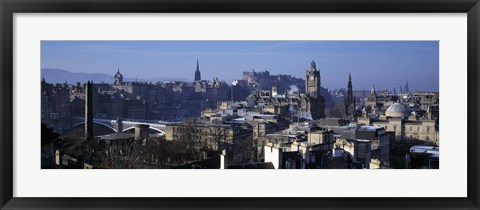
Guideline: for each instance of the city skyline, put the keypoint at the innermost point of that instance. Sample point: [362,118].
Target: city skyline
[381,63]
[266,120]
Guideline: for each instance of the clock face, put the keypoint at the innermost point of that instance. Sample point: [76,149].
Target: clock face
[311,78]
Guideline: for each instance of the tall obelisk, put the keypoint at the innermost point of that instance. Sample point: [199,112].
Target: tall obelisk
[88,112]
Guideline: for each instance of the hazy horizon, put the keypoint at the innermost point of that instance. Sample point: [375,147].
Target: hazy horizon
[380,63]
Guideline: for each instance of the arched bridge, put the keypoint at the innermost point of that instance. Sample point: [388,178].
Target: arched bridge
[158,126]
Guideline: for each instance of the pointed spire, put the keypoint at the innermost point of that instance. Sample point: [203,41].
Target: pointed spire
[350,80]
[197,73]
[350,89]
[373,94]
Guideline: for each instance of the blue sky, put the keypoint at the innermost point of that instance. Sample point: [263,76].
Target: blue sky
[379,63]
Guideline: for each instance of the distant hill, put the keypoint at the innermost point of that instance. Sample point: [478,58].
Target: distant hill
[62,76]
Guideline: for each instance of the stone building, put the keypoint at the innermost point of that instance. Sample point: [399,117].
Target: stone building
[405,125]
[263,80]
[136,100]
[236,139]
[309,150]
[169,100]
[56,106]
[367,146]
[314,103]
[293,104]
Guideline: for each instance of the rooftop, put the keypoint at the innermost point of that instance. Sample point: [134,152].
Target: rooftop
[424,149]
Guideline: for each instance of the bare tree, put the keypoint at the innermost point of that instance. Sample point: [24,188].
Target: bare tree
[190,137]
[121,154]
[159,153]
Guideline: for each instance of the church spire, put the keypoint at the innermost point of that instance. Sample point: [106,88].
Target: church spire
[197,73]
[349,79]
[373,94]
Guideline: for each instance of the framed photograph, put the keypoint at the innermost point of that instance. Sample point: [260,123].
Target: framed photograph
[239,105]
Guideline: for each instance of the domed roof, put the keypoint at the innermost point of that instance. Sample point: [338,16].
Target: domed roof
[397,110]
[118,74]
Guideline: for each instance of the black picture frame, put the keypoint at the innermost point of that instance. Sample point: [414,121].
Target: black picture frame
[10,7]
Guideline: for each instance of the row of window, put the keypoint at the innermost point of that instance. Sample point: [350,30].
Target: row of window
[411,128]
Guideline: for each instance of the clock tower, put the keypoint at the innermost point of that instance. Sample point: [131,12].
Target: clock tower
[315,103]
[312,82]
